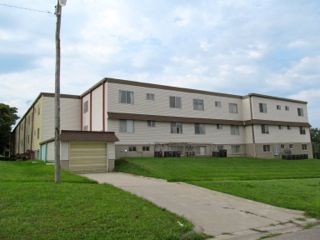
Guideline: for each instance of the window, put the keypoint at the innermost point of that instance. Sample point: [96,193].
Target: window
[132,149]
[263,107]
[219,126]
[291,146]
[302,130]
[145,148]
[175,102]
[198,104]
[304,147]
[282,146]
[287,108]
[126,126]
[176,128]
[125,97]
[39,109]
[265,129]
[266,148]
[199,128]
[85,107]
[289,127]
[278,107]
[233,108]
[280,127]
[235,130]
[151,123]
[150,96]
[217,104]
[38,133]
[85,128]
[235,148]
[300,112]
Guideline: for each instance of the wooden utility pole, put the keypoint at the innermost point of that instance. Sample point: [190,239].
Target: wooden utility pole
[57,97]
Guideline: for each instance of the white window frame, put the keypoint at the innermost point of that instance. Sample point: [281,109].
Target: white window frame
[266,148]
[126,97]
[278,107]
[233,108]
[85,107]
[304,147]
[235,130]
[302,130]
[264,129]
[198,104]
[151,123]
[300,112]
[217,104]
[199,128]
[150,96]
[175,102]
[219,126]
[235,148]
[263,107]
[145,148]
[176,128]
[126,126]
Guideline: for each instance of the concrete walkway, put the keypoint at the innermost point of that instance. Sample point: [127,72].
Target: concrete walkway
[214,213]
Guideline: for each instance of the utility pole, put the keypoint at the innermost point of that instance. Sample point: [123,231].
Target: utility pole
[57,92]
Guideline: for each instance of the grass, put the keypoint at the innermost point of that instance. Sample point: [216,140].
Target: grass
[32,206]
[289,184]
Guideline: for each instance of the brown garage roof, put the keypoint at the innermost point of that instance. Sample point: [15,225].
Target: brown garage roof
[88,136]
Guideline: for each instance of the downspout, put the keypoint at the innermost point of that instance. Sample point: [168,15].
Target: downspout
[252,128]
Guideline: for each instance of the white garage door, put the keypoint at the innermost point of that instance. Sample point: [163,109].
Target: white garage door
[86,157]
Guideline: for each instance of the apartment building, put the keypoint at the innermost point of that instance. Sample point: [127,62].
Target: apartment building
[148,118]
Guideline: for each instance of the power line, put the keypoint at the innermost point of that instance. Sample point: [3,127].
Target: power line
[23,8]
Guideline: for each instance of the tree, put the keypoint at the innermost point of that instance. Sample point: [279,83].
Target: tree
[8,118]
[315,135]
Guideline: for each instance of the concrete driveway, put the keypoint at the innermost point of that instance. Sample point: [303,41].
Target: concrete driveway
[214,213]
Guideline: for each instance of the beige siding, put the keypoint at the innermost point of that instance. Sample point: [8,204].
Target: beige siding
[69,116]
[97,109]
[64,148]
[86,115]
[161,103]
[50,151]
[279,115]
[162,133]
[37,124]
[246,109]
[281,136]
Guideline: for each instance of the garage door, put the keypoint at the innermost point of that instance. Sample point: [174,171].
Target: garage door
[86,157]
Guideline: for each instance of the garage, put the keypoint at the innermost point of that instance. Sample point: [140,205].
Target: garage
[88,157]
[88,152]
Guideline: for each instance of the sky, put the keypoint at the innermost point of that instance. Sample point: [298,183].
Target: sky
[269,47]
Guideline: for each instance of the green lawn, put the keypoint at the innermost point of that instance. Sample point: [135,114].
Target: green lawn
[32,206]
[289,184]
